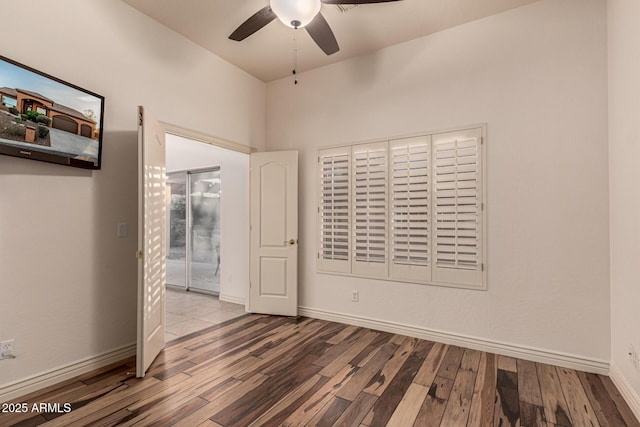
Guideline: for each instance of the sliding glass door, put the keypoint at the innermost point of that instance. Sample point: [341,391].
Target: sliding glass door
[204,215]
[176,224]
[193,260]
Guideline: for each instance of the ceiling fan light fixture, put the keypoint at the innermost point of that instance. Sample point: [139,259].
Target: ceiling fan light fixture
[295,13]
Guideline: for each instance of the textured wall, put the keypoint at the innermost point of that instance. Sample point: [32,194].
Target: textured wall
[67,283]
[537,75]
[624,154]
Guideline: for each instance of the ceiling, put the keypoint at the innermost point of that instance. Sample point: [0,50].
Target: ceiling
[269,53]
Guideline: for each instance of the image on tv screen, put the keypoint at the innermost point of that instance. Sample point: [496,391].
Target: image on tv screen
[44,118]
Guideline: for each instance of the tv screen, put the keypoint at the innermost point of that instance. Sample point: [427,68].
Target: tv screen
[44,118]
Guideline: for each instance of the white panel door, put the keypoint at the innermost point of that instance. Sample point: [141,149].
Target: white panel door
[274,233]
[151,240]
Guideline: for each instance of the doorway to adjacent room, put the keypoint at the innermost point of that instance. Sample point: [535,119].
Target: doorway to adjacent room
[207,229]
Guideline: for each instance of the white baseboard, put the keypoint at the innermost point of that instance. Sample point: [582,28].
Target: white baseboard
[231,299]
[627,392]
[528,353]
[57,375]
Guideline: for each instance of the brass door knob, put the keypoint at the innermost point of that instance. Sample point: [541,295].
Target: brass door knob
[292,241]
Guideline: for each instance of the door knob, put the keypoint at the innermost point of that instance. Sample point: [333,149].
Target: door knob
[292,241]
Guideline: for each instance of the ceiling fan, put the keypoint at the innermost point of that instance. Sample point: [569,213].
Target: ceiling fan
[298,14]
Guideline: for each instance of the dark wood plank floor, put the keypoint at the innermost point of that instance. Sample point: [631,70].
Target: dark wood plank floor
[261,370]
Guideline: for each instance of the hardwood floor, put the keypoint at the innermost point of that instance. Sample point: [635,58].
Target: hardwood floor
[261,370]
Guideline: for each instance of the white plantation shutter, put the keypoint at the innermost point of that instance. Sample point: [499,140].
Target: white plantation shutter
[369,209]
[410,208]
[457,203]
[334,167]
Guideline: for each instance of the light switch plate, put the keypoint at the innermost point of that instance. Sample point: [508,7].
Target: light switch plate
[123,229]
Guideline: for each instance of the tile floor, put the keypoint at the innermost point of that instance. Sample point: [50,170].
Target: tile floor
[189,312]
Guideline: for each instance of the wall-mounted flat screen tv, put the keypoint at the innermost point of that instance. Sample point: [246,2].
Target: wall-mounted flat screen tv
[44,118]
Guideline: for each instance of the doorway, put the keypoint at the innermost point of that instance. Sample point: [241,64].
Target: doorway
[193,230]
[207,230]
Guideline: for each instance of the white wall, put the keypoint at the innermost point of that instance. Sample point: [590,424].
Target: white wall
[186,154]
[624,187]
[67,283]
[537,76]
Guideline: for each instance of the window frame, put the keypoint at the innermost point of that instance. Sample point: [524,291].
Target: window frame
[392,271]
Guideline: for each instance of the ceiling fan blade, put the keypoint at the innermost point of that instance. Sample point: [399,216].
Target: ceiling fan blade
[356,1]
[253,24]
[321,33]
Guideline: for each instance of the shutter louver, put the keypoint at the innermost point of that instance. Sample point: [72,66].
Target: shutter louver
[458,207]
[369,190]
[334,210]
[410,194]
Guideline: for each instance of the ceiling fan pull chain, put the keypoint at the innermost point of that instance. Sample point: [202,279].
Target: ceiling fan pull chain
[295,60]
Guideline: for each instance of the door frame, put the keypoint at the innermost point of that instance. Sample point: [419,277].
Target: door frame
[206,138]
[172,129]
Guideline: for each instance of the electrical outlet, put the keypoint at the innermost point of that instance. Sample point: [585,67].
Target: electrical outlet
[355,296]
[6,349]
